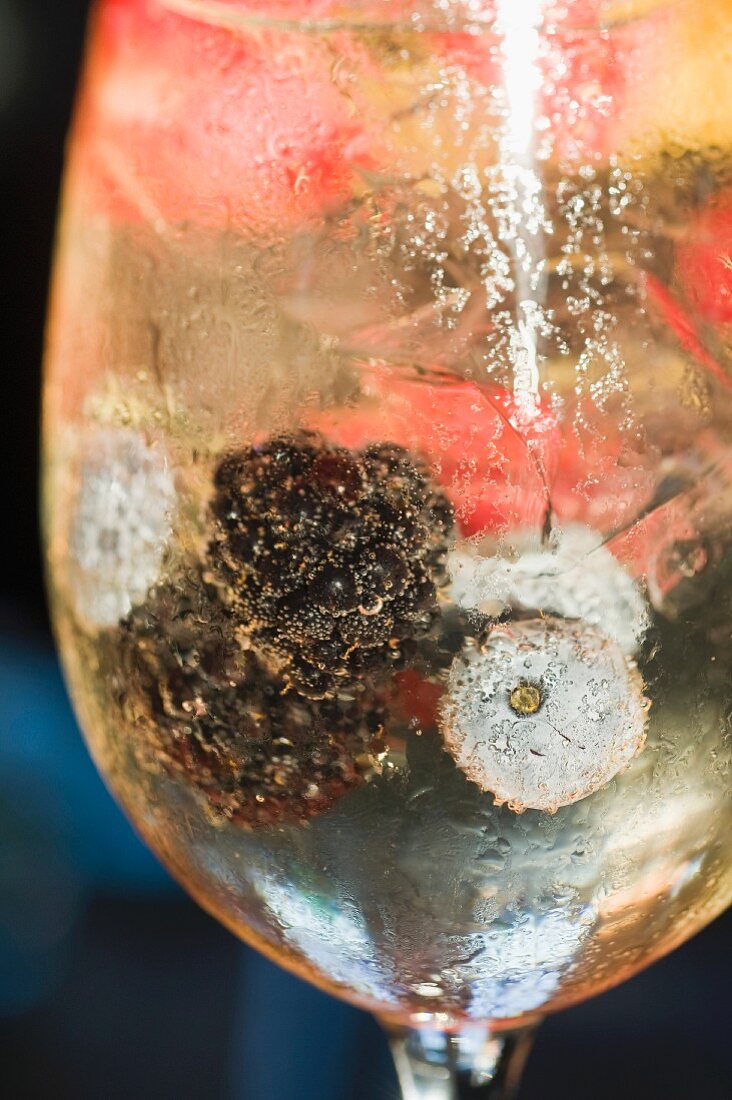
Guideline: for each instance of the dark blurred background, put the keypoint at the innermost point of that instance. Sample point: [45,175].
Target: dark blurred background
[112,983]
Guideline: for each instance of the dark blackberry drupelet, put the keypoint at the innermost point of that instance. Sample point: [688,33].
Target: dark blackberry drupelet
[333,557]
[212,713]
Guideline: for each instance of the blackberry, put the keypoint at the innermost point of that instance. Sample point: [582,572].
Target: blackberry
[333,557]
[214,714]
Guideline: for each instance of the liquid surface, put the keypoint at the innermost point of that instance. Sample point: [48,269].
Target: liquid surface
[389,491]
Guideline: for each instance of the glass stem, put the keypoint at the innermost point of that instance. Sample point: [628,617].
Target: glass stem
[467,1065]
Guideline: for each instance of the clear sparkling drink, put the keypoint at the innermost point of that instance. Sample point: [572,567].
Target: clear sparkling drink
[389,483]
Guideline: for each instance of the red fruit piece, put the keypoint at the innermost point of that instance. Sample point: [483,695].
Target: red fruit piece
[500,461]
[493,455]
[478,55]
[417,699]
[604,476]
[582,86]
[673,314]
[581,69]
[592,67]
[704,261]
[181,121]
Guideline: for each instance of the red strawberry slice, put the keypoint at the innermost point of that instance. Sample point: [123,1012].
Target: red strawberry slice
[583,70]
[604,475]
[493,455]
[704,262]
[182,121]
[500,461]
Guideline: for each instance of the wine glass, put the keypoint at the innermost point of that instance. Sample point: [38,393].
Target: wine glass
[388,492]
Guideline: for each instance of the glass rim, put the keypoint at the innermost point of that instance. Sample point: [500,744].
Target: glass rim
[451,16]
